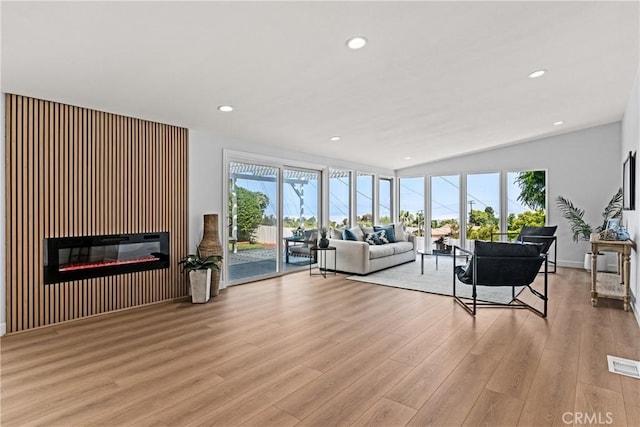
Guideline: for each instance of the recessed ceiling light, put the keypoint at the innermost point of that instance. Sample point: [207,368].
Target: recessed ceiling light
[407,158]
[334,138]
[225,108]
[357,42]
[537,73]
[561,122]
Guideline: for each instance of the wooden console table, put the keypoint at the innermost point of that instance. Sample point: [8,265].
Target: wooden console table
[617,286]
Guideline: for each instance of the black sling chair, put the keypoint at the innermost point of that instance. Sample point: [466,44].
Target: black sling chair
[544,235]
[500,264]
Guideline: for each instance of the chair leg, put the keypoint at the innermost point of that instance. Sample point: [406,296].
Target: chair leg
[546,268]
[474,299]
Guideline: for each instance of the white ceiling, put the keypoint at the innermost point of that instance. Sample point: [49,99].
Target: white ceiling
[437,79]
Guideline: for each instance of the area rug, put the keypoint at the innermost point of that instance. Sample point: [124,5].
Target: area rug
[407,276]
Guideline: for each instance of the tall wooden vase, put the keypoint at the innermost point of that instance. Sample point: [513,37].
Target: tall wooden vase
[210,245]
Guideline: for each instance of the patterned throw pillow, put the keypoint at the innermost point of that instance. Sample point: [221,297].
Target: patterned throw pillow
[372,239]
[383,237]
[389,232]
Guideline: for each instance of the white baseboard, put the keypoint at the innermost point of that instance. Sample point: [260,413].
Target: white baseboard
[635,307]
[3,329]
[571,264]
[577,264]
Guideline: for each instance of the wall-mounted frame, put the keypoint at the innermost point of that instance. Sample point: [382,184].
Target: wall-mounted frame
[629,183]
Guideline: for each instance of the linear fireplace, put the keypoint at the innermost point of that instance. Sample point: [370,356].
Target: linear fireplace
[77,258]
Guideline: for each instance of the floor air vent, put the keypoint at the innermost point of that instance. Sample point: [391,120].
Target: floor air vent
[618,365]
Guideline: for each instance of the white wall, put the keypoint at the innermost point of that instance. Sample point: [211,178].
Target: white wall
[3,242]
[206,172]
[631,142]
[583,166]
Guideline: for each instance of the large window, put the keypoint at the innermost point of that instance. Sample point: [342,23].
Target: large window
[411,196]
[385,200]
[445,212]
[526,200]
[339,198]
[483,206]
[364,199]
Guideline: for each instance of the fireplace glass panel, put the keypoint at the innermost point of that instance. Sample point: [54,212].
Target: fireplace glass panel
[102,256]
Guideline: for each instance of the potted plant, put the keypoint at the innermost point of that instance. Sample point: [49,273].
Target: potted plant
[323,242]
[199,270]
[582,231]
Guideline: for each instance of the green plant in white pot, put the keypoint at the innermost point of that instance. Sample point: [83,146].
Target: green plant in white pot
[581,230]
[199,270]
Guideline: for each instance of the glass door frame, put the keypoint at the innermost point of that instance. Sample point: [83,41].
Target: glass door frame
[230,156]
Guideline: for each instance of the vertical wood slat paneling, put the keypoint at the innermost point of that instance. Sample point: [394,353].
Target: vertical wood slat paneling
[72,171]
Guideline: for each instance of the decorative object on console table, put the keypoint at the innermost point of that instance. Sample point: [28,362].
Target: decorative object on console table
[210,246]
[200,271]
[323,242]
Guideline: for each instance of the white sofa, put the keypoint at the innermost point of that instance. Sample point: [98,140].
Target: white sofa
[359,257]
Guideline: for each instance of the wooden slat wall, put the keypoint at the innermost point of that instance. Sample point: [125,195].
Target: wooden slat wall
[72,171]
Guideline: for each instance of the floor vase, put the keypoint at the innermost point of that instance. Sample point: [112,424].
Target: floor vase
[210,245]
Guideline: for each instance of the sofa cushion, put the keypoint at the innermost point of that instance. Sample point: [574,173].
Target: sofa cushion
[389,235]
[401,247]
[379,251]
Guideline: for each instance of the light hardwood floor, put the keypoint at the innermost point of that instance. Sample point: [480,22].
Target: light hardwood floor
[328,352]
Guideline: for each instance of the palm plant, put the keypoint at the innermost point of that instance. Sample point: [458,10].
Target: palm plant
[580,229]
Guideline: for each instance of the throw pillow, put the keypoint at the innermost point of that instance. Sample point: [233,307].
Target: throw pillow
[398,231]
[389,233]
[367,230]
[372,239]
[382,236]
[347,234]
[336,234]
[353,233]
[357,231]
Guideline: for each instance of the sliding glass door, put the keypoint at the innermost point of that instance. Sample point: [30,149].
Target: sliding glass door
[274,215]
[253,211]
[300,210]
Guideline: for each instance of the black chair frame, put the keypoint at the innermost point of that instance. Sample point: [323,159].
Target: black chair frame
[471,304]
[548,241]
